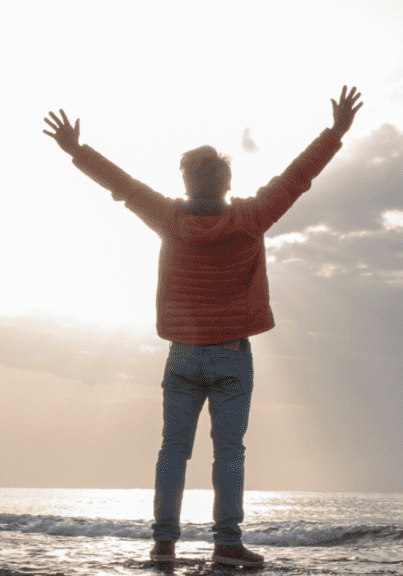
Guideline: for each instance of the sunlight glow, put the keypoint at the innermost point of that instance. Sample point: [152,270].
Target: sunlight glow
[393,220]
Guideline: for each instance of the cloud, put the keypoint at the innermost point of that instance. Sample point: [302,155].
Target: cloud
[363,257]
[247,143]
[93,355]
[393,219]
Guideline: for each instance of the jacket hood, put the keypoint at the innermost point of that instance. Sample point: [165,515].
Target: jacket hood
[193,227]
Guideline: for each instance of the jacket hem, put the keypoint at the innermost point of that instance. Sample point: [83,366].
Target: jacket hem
[222,340]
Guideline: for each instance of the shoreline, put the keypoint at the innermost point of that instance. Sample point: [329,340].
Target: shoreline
[193,567]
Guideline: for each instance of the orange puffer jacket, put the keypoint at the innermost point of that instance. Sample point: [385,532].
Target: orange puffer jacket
[212,282]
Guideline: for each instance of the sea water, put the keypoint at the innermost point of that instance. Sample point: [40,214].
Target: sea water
[76,532]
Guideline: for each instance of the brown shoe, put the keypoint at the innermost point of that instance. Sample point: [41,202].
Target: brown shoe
[163,551]
[236,556]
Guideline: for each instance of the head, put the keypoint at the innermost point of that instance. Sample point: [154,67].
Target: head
[206,174]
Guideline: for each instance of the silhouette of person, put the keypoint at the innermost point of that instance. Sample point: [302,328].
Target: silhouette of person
[212,295]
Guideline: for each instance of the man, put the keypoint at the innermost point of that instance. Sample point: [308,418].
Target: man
[212,295]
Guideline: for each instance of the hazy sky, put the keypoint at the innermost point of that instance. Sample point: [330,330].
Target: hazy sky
[149,81]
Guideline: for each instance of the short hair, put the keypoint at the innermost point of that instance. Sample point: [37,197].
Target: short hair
[205,172]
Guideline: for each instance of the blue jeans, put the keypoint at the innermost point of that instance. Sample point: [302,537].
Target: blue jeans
[193,373]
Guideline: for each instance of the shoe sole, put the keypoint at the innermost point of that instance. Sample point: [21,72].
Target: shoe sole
[162,558]
[235,561]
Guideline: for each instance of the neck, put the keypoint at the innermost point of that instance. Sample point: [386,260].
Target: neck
[215,198]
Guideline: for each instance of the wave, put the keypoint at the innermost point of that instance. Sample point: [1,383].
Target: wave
[281,534]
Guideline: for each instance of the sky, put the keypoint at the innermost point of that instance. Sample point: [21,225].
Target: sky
[81,364]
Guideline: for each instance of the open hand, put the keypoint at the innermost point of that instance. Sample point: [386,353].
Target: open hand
[344,112]
[66,136]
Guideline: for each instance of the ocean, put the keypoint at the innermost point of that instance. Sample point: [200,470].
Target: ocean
[106,532]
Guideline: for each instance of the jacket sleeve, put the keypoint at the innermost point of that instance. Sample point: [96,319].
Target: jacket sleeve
[152,207]
[274,199]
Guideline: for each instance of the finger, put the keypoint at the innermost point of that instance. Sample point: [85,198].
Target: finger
[352,92]
[56,119]
[51,124]
[356,96]
[357,107]
[49,133]
[65,119]
[343,93]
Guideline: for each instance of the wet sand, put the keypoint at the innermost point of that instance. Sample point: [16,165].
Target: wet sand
[182,566]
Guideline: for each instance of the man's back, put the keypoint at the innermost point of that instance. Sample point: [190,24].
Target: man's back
[212,283]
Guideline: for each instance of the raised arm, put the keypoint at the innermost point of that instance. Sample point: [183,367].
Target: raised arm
[152,207]
[274,199]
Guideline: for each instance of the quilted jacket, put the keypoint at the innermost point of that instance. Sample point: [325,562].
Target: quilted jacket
[212,280]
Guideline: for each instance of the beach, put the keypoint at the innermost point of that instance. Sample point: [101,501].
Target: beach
[181,566]
[94,532]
